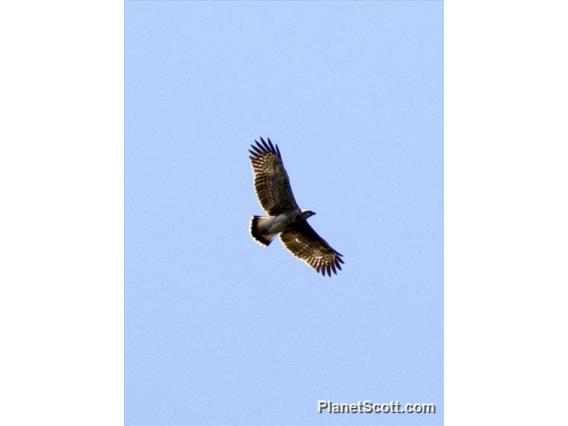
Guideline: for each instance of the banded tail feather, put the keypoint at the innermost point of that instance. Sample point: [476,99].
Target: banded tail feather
[258,230]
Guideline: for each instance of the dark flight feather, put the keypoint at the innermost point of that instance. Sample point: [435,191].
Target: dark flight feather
[305,243]
[271,180]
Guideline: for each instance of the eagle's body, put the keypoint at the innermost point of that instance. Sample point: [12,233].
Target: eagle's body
[265,228]
[277,224]
[285,217]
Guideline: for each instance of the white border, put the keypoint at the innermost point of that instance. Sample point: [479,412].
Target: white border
[61,177]
[61,220]
[506,213]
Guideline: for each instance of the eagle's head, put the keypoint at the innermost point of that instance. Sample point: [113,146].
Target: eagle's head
[307,213]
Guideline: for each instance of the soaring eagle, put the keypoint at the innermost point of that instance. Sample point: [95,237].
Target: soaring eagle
[285,217]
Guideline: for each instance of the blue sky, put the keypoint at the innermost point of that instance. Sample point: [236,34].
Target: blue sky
[221,331]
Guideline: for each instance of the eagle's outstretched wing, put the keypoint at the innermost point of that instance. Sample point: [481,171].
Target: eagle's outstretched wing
[304,243]
[270,178]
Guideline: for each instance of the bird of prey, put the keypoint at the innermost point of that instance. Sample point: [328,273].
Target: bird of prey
[285,217]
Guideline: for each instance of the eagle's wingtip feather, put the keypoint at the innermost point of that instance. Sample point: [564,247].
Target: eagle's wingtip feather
[266,146]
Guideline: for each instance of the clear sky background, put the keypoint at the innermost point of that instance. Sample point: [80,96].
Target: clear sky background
[221,331]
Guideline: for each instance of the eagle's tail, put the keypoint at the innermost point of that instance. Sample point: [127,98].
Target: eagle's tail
[258,230]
